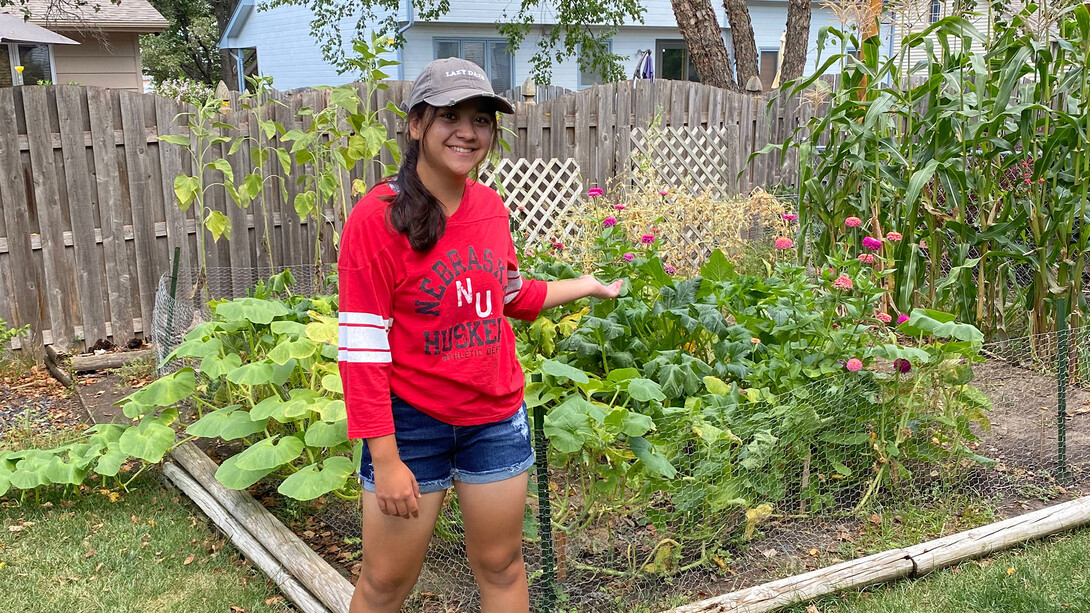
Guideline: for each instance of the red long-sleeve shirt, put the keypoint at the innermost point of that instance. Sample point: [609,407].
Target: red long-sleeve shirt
[431,327]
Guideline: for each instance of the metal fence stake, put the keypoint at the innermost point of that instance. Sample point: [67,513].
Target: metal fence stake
[544,512]
[1063,342]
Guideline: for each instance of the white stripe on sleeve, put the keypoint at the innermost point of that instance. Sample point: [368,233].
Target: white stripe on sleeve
[365,319]
[370,357]
[363,337]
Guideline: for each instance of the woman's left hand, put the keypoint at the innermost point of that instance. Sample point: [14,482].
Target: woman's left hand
[596,289]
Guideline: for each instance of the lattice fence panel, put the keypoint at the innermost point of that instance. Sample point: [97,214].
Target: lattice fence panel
[695,159]
[539,192]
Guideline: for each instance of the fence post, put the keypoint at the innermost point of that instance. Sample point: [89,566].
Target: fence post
[1063,342]
[173,291]
[544,512]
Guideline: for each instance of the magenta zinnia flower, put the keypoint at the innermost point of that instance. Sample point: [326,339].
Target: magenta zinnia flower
[663,192]
[784,243]
[594,192]
[619,207]
[842,282]
[883,317]
[902,318]
[647,239]
[790,217]
[902,365]
[628,257]
[670,270]
[894,237]
[872,243]
[854,365]
[853,222]
[866,258]
[609,222]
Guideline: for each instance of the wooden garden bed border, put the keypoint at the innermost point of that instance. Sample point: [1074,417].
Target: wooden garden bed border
[905,563]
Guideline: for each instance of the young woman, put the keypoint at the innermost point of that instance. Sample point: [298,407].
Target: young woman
[428,277]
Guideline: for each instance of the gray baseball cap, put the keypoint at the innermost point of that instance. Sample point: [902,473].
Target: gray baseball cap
[448,81]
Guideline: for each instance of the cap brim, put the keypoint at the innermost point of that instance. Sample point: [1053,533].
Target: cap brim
[453,97]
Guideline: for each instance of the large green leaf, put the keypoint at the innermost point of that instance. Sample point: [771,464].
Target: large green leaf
[645,390]
[253,310]
[228,423]
[717,268]
[271,407]
[214,367]
[256,373]
[568,427]
[310,482]
[270,453]
[230,475]
[298,349]
[162,392]
[559,369]
[655,462]
[150,439]
[322,434]
[629,422]
[30,471]
[940,324]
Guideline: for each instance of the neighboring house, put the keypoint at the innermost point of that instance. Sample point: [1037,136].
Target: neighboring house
[277,42]
[108,49]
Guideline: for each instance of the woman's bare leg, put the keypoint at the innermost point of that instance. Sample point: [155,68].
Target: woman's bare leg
[492,515]
[393,553]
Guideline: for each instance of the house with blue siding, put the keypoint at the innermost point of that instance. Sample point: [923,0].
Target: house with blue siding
[277,42]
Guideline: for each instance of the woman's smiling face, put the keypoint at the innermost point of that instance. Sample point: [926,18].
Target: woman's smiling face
[457,139]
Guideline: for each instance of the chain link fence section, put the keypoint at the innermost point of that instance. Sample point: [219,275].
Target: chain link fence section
[180,304]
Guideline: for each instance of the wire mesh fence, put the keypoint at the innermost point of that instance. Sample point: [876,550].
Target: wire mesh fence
[741,487]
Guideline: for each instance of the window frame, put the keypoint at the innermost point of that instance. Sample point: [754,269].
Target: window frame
[663,44]
[760,64]
[488,40]
[935,11]
[14,59]
[580,84]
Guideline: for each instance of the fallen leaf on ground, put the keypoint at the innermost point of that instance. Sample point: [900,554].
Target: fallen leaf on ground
[189,559]
[90,553]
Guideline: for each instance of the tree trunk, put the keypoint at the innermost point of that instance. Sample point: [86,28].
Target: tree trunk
[222,10]
[797,40]
[700,29]
[745,47]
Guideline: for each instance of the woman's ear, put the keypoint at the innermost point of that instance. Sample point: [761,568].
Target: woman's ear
[414,126]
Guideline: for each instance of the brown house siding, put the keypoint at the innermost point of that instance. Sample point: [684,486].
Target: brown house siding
[113,62]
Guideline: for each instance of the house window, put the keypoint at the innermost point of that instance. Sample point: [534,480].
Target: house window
[36,60]
[674,61]
[589,76]
[769,65]
[492,55]
[936,10]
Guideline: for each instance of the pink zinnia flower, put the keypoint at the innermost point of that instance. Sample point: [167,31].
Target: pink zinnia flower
[619,207]
[663,192]
[866,258]
[854,365]
[902,365]
[1041,180]
[609,222]
[628,257]
[790,217]
[647,239]
[1028,181]
[670,270]
[883,317]
[902,318]
[784,243]
[842,282]
[594,192]
[755,340]
[853,222]
[872,243]
[894,237]
[559,246]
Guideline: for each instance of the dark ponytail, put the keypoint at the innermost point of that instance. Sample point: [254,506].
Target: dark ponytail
[413,210]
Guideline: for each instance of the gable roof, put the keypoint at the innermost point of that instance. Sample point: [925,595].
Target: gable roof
[126,15]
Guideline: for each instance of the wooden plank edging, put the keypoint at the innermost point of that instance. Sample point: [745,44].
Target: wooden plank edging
[296,556]
[903,563]
[246,543]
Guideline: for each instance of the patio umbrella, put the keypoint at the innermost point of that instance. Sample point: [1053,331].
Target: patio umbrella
[13,28]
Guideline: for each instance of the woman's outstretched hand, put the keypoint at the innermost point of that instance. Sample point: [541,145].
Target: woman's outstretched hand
[596,289]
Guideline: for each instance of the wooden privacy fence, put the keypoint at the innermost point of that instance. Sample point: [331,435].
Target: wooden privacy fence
[90,222]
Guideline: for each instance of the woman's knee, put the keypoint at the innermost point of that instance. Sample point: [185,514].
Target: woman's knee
[383,583]
[498,565]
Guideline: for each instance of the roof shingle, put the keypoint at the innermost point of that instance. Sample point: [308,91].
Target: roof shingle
[130,15]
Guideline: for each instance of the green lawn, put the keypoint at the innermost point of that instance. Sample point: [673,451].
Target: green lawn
[1050,576]
[147,550]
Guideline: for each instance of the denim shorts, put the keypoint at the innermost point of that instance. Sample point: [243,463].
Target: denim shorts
[438,453]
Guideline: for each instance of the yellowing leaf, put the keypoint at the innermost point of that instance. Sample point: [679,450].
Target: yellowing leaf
[755,516]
